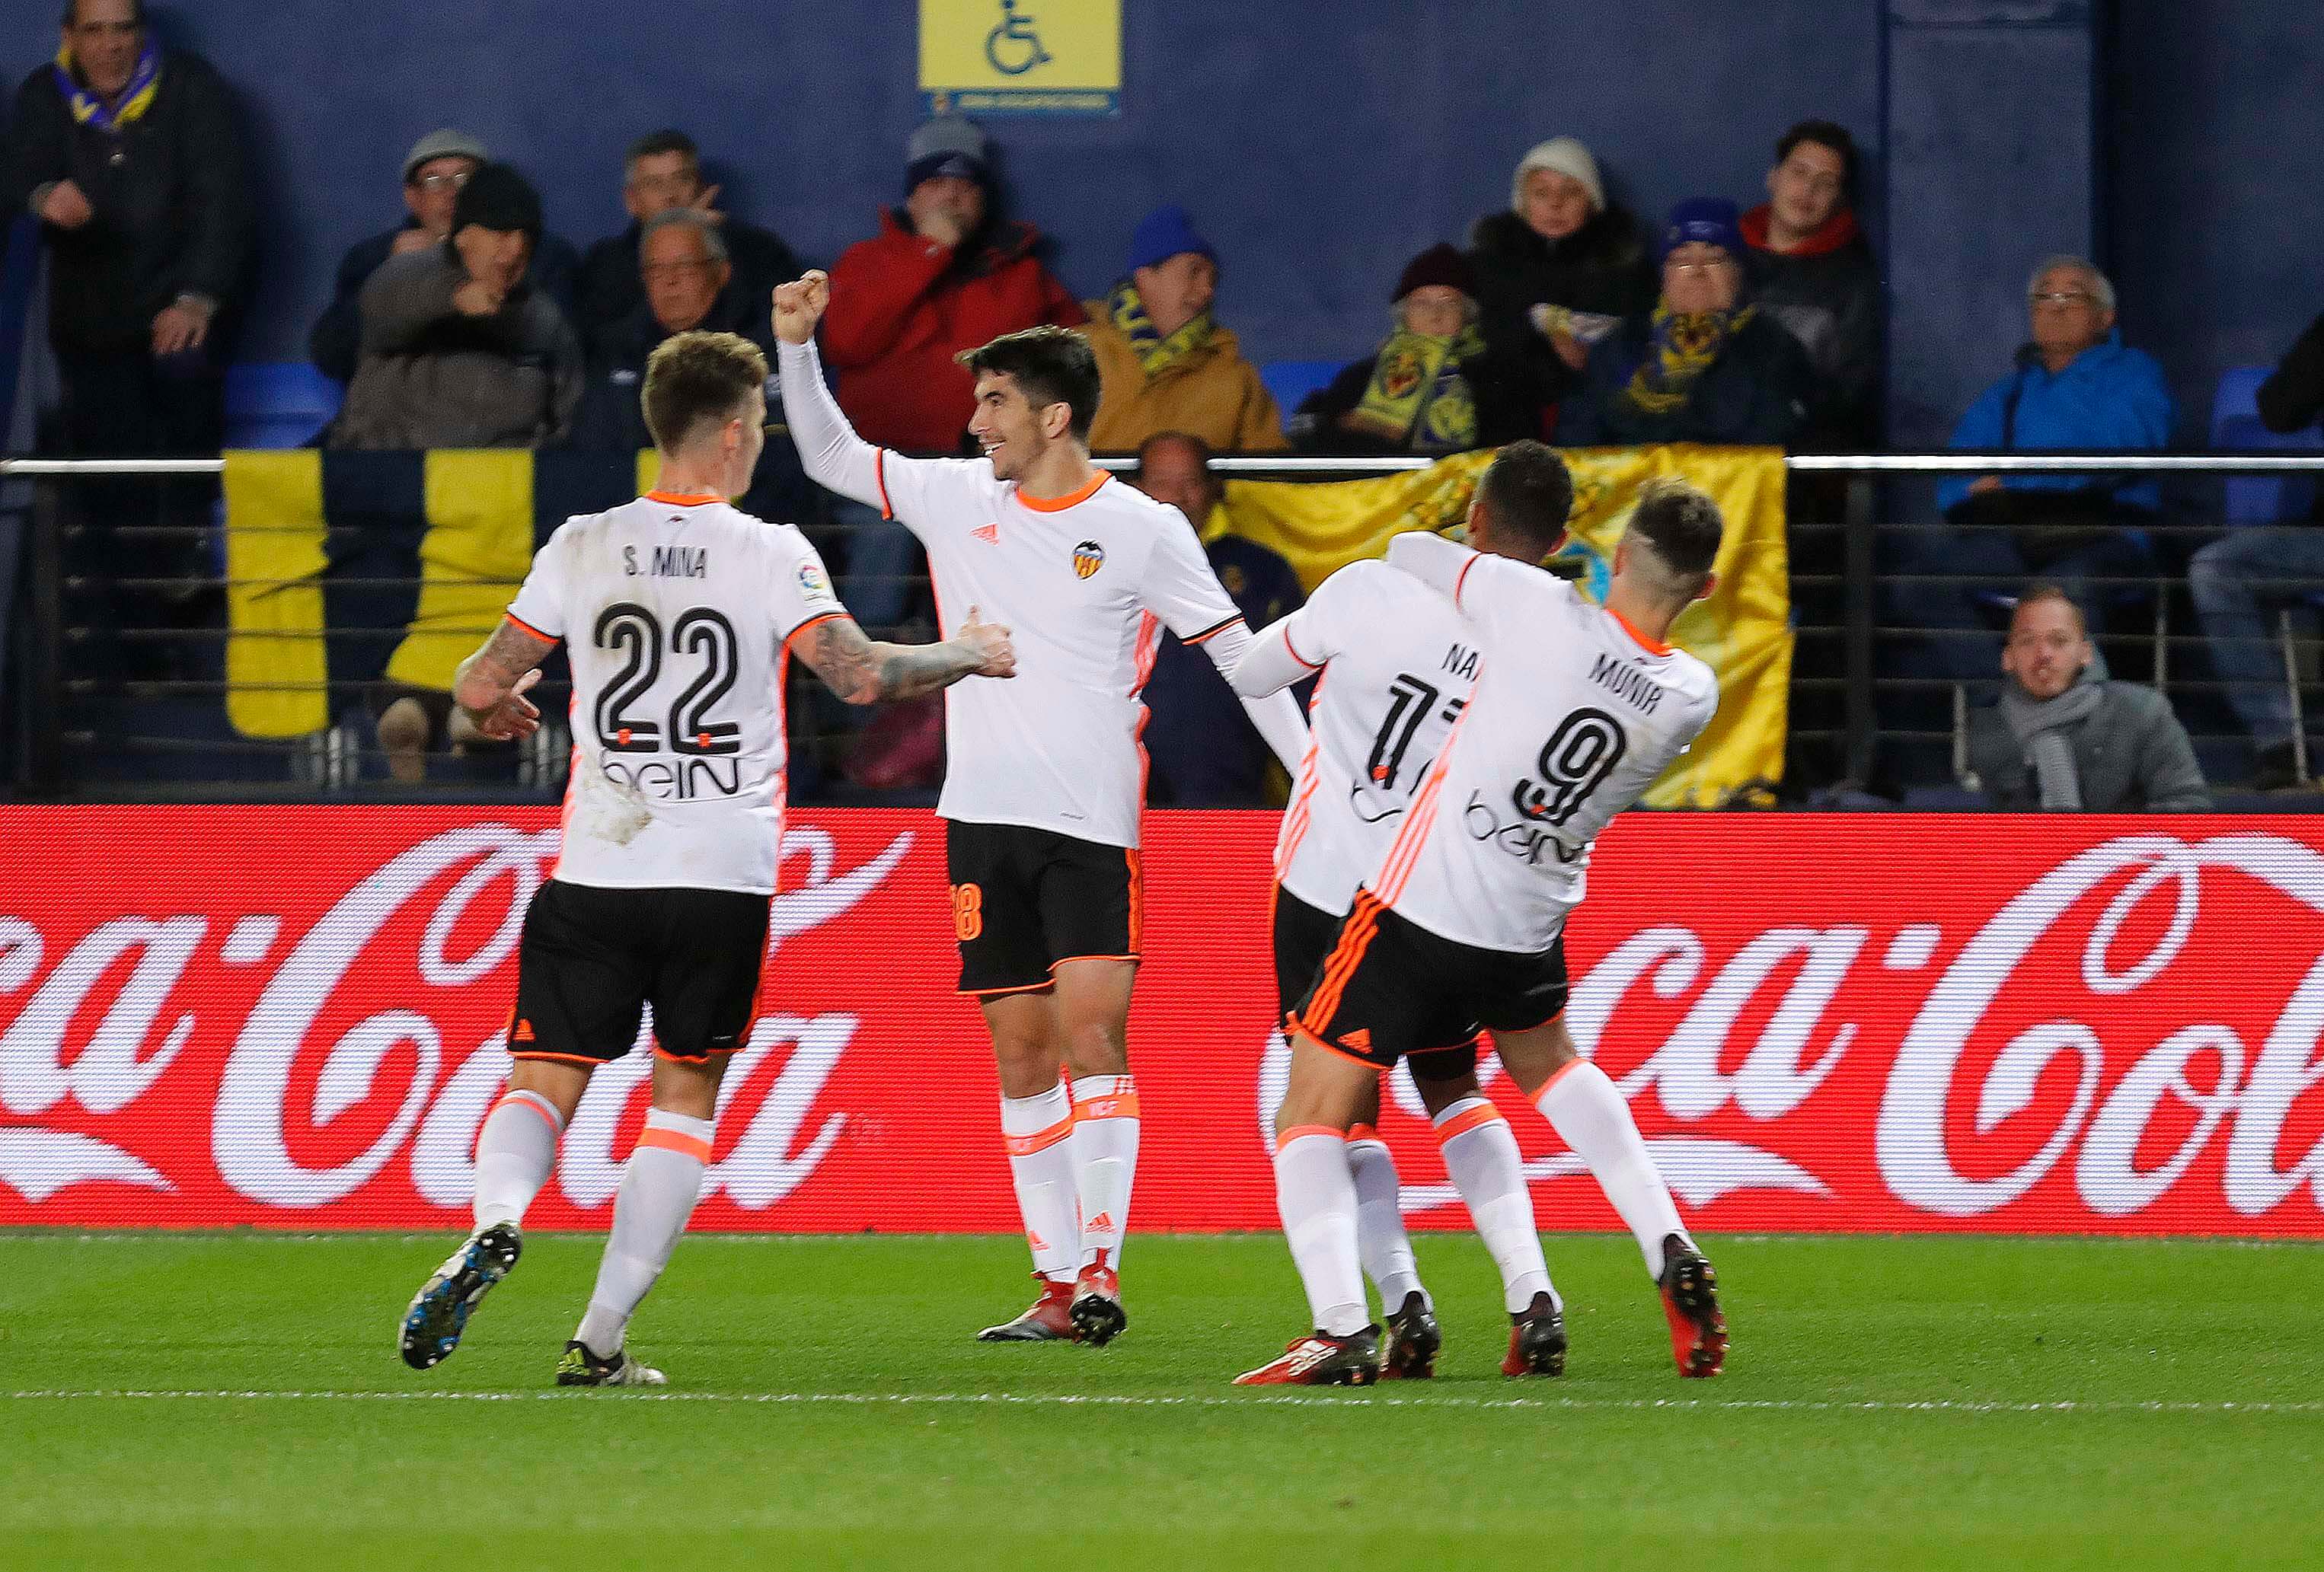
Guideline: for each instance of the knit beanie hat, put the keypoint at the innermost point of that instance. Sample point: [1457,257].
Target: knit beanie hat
[497,198]
[1439,264]
[950,144]
[1710,220]
[1164,233]
[1568,157]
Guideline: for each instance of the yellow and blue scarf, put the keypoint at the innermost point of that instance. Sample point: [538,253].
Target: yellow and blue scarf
[136,98]
[1157,353]
[1682,347]
[1418,398]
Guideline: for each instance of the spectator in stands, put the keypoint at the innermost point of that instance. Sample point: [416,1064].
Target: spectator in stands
[1700,367]
[130,157]
[2239,580]
[946,272]
[1164,364]
[1807,264]
[2063,737]
[439,164]
[458,349]
[1431,386]
[1198,756]
[2076,387]
[688,281]
[662,171]
[1556,272]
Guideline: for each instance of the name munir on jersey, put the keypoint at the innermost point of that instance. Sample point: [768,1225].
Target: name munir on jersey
[677,613]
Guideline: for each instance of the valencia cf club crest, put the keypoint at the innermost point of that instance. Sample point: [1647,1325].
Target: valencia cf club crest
[1088,557]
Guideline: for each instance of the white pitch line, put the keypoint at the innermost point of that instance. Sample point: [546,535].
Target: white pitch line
[1324,1401]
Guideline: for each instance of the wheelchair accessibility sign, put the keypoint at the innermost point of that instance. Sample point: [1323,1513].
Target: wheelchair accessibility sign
[1021,56]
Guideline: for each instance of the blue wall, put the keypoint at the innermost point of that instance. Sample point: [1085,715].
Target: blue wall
[1321,142]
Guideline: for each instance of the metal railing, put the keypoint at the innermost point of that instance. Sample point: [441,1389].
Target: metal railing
[1838,578]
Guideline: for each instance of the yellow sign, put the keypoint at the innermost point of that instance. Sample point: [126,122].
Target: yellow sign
[1020,57]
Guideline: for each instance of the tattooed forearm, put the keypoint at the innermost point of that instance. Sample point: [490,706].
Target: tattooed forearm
[863,672]
[488,677]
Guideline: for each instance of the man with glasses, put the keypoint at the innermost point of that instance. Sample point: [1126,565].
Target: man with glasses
[1702,366]
[434,171]
[661,173]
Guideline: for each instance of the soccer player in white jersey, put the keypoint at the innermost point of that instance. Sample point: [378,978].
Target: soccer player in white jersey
[678,614]
[1045,779]
[1577,709]
[1396,665]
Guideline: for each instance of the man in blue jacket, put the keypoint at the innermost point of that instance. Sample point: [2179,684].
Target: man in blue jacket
[2075,388]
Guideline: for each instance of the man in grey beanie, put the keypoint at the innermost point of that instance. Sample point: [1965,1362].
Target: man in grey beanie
[434,170]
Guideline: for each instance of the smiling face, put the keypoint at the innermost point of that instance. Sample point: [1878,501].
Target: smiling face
[104,38]
[1009,430]
[1177,290]
[2048,647]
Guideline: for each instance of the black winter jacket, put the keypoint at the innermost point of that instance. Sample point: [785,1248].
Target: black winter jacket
[1755,394]
[1602,267]
[175,210]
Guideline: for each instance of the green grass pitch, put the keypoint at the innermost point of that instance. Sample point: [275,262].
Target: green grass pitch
[235,1401]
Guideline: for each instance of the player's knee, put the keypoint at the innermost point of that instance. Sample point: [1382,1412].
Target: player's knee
[403,737]
[1097,1048]
[690,1089]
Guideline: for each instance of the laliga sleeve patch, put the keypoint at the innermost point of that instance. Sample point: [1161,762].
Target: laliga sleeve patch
[814,584]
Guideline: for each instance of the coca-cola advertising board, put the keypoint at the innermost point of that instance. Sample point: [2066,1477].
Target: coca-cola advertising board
[292,1016]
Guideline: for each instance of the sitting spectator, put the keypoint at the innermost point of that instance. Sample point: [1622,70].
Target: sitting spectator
[129,156]
[439,164]
[457,349]
[1431,387]
[1165,366]
[945,274]
[1556,272]
[2075,388]
[1808,266]
[688,281]
[1199,756]
[662,171]
[1698,368]
[2252,572]
[2063,737]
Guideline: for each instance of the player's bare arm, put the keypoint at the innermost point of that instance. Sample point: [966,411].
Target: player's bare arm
[491,685]
[868,671]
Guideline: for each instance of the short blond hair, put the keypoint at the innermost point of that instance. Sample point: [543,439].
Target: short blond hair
[697,377]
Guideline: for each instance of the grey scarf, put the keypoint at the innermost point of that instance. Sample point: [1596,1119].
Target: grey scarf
[2041,727]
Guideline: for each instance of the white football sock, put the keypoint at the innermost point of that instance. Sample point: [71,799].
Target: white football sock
[1105,1160]
[515,1151]
[1316,1196]
[1583,1107]
[659,1184]
[1381,1239]
[1036,1130]
[1480,1154]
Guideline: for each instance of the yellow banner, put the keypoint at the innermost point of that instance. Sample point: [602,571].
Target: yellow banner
[478,550]
[1021,56]
[1742,629]
[277,669]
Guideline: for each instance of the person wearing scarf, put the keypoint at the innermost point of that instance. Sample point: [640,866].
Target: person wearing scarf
[2065,739]
[1700,366]
[1431,386]
[1164,363]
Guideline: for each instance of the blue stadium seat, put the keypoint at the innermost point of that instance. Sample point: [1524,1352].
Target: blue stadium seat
[277,404]
[1291,380]
[2235,427]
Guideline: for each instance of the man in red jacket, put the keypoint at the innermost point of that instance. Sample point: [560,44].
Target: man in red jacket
[945,274]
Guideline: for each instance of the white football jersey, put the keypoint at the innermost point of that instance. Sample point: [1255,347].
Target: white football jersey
[677,614]
[1085,583]
[1397,664]
[1573,716]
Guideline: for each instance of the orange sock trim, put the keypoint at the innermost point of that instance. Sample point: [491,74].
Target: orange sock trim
[1039,1140]
[546,1117]
[1554,1080]
[1299,1132]
[1460,1123]
[693,1147]
[1362,1133]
